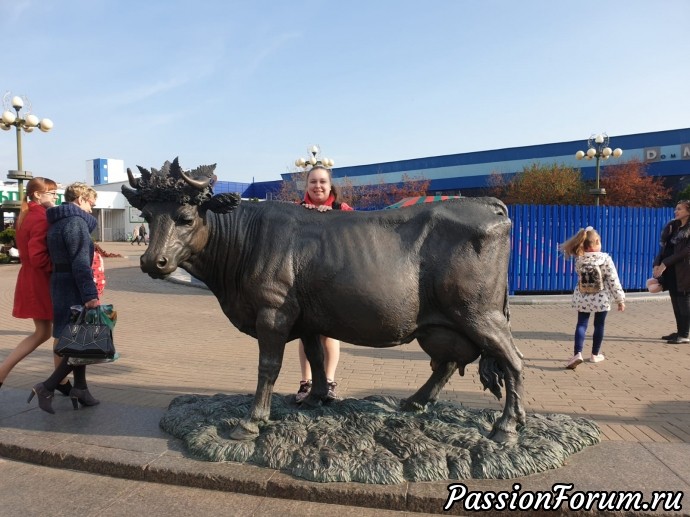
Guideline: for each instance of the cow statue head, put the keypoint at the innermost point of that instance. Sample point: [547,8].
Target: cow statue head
[174,202]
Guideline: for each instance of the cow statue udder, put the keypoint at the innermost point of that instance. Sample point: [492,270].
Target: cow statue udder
[436,273]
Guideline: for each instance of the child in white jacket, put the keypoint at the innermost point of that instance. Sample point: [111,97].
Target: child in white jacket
[598,286]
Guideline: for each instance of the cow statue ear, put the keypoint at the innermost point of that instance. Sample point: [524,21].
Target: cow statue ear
[222,203]
[134,197]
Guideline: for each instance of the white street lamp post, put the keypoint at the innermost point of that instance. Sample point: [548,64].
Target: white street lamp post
[26,124]
[598,148]
[314,159]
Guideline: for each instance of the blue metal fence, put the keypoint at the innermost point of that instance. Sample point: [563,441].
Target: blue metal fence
[629,235]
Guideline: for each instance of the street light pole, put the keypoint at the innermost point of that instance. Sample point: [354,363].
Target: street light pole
[598,148]
[314,159]
[26,124]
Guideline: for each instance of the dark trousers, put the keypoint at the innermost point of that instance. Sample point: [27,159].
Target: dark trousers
[680,300]
[581,329]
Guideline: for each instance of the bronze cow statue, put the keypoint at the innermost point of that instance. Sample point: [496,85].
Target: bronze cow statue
[436,273]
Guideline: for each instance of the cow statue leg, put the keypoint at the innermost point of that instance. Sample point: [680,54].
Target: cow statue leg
[440,375]
[313,349]
[271,350]
[505,428]
[501,364]
[448,350]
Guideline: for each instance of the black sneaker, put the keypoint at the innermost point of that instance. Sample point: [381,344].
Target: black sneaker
[332,395]
[304,389]
[670,336]
[679,341]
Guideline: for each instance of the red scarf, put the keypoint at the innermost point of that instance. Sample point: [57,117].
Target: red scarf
[328,202]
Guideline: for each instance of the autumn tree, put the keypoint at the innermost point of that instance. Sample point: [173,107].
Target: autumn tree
[628,184]
[347,192]
[539,184]
[382,194]
[376,195]
[293,188]
[684,194]
[498,185]
[408,187]
[373,195]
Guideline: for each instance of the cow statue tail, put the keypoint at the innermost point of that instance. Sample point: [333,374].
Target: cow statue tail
[506,313]
[506,305]
[491,375]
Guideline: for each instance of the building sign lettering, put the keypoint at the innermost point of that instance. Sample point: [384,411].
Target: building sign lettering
[13,195]
[653,154]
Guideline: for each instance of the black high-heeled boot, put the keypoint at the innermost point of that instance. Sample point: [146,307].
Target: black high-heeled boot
[45,397]
[64,388]
[83,397]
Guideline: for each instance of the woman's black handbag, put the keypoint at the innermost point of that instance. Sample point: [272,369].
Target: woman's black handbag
[89,334]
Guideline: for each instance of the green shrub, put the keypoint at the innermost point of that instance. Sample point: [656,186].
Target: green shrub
[7,236]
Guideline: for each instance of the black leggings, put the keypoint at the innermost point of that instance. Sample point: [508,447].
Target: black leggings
[62,371]
[680,300]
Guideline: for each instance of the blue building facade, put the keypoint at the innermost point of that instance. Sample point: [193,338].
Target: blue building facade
[666,154]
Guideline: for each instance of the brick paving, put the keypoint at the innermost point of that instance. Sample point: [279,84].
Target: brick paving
[174,340]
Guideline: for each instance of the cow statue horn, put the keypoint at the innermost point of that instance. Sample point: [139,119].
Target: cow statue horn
[198,184]
[134,182]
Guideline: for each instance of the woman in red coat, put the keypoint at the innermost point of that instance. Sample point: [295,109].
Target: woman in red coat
[32,294]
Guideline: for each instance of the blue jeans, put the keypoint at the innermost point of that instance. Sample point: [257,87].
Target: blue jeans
[581,329]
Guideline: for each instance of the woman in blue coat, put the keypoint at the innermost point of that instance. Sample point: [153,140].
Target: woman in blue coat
[71,283]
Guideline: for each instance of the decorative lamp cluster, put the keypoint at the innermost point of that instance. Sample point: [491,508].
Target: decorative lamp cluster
[314,159]
[597,149]
[27,125]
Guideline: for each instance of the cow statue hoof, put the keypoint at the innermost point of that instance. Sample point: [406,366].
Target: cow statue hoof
[245,430]
[312,402]
[411,405]
[503,436]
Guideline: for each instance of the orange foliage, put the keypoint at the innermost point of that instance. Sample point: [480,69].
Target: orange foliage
[540,185]
[628,184]
[366,196]
[382,194]
[293,189]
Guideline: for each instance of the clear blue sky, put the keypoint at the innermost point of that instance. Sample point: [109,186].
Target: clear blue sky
[251,84]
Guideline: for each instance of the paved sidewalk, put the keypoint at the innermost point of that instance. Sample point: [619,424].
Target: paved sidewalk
[175,340]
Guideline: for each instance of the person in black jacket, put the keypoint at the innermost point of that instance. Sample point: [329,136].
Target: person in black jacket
[142,234]
[71,252]
[673,265]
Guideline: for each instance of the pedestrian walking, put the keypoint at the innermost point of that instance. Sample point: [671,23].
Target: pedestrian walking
[598,285]
[142,233]
[72,283]
[671,264]
[32,293]
[135,235]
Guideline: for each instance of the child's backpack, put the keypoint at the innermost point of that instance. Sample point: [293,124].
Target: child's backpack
[591,279]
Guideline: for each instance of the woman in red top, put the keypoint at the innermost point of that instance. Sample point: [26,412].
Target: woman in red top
[321,195]
[32,294]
